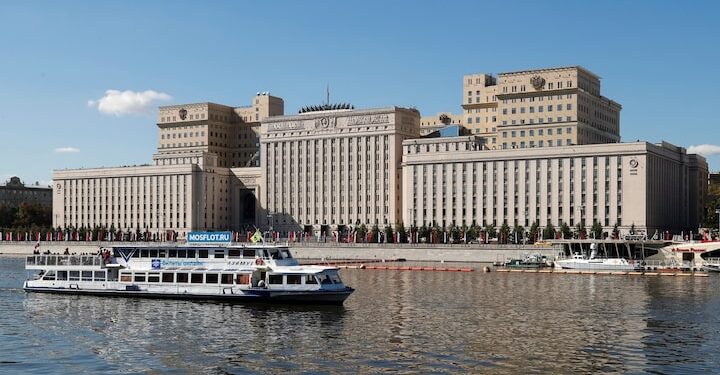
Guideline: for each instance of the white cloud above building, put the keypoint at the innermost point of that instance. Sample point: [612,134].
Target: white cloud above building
[67,150]
[128,102]
[705,150]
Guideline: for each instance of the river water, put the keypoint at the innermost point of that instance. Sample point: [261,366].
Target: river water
[396,321]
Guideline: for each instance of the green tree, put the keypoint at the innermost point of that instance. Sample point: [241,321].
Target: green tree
[596,230]
[549,232]
[490,231]
[534,227]
[436,233]
[401,233]
[375,232]
[518,233]
[7,216]
[565,231]
[473,232]
[580,230]
[362,232]
[389,234]
[504,233]
[423,233]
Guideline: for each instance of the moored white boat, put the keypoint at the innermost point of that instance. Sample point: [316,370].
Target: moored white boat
[580,262]
[255,273]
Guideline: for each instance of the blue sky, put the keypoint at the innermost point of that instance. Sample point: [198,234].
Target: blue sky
[58,59]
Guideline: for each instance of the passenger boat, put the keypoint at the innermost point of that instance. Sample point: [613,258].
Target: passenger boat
[253,273]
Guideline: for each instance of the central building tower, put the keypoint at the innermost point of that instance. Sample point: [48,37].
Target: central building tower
[332,166]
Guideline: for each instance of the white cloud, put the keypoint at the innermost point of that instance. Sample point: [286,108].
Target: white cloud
[128,102]
[66,150]
[706,150]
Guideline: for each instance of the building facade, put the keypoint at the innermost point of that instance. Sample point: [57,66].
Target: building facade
[333,168]
[653,187]
[205,175]
[15,192]
[537,108]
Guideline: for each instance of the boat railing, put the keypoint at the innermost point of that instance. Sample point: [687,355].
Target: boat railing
[64,260]
[668,263]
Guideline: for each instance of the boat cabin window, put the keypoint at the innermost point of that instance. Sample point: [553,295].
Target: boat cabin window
[153,253]
[49,275]
[285,254]
[139,277]
[86,275]
[74,276]
[161,253]
[248,253]
[182,277]
[136,254]
[234,253]
[153,277]
[191,254]
[219,254]
[144,253]
[274,253]
[211,278]
[62,275]
[202,253]
[243,278]
[125,277]
[167,277]
[226,278]
[172,253]
[182,253]
[196,278]
[99,275]
[294,279]
[325,279]
[275,279]
[310,279]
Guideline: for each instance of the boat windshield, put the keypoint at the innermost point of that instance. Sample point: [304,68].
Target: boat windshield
[279,253]
[329,277]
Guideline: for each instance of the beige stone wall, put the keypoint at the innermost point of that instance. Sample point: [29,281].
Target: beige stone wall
[336,167]
[637,183]
[232,134]
[540,102]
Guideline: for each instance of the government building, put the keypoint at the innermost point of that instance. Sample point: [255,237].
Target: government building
[531,146]
[203,177]
[651,187]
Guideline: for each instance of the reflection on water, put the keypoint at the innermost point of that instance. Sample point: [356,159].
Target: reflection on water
[396,321]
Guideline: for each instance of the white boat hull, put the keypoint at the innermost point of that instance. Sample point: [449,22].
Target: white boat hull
[320,296]
[597,264]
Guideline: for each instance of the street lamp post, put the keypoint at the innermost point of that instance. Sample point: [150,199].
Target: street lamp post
[270,223]
[718,212]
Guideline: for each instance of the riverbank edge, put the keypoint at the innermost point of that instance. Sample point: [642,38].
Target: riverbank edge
[331,251]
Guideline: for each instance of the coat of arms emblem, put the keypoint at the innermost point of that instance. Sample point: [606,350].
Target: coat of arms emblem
[183,114]
[537,82]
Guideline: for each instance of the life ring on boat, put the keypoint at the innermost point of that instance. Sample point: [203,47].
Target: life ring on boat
[258,261]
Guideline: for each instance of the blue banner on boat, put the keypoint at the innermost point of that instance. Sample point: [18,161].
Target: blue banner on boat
[209,237]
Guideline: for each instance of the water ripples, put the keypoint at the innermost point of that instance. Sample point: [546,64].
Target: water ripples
[397,321]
